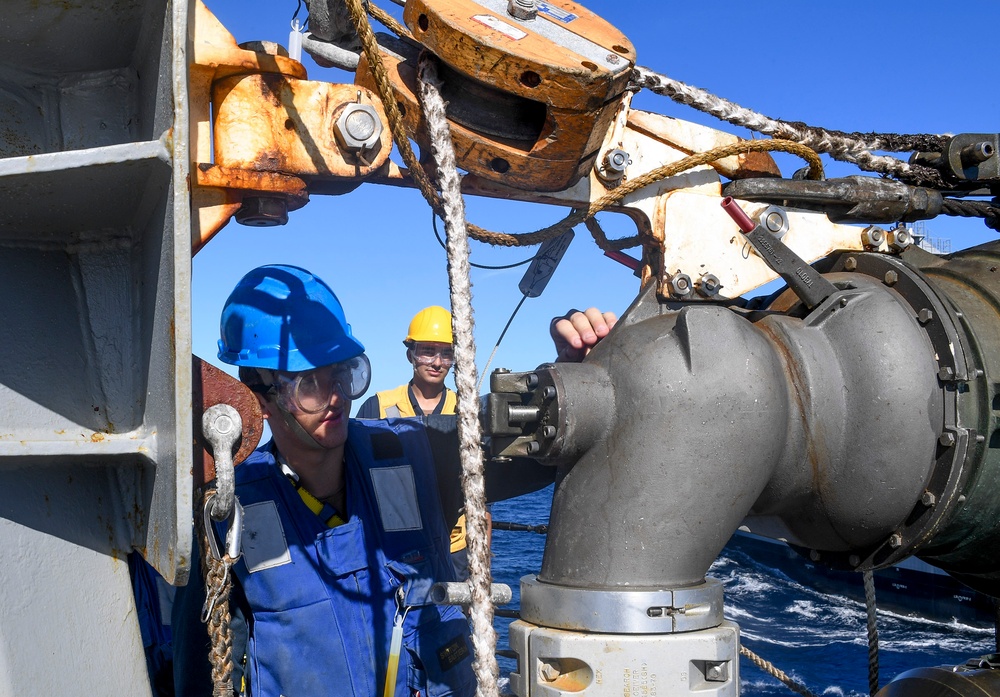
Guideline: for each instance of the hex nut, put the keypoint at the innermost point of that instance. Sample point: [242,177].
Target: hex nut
[872,236]
[850,264]
[928,498]
[854,560]
[891,277]
[680,285]
[522,9]
[895,540]
[548,431]
[709,285]
[716,671]
[613,165]
[900,239]
[549,672]
[262,211]
[947,439]
[925,315]
[358,128]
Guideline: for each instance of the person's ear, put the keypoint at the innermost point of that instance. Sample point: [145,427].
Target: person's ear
[265,404]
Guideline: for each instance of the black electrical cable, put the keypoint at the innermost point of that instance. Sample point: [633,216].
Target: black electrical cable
[437,234]
[305,24]
[513,314]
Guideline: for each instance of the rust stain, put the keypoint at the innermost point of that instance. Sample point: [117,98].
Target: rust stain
[756,164]
[211,387]
[271,86]
[96,437]
[815,446]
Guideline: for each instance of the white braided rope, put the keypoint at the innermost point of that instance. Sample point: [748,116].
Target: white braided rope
[852,150]
[484,637]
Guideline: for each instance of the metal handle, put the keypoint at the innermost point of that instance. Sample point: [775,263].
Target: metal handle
[461,593]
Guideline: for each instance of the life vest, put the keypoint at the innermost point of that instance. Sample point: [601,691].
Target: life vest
[395,403]
[324,600]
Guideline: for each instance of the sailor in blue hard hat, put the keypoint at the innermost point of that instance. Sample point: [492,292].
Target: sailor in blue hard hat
[287,332]
[343,529]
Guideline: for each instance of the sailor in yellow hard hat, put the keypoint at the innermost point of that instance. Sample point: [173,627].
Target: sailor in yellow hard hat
[429,350]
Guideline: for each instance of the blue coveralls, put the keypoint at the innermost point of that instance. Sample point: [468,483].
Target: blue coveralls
[323,601]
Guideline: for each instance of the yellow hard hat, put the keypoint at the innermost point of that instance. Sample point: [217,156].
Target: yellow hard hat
[430,324]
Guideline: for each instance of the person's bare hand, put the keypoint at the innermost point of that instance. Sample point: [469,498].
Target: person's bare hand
[575,333]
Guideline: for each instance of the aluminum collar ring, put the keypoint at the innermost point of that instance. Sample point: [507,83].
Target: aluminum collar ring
[941,323]
[665,611]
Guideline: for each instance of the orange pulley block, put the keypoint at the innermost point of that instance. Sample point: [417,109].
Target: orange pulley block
[532,87]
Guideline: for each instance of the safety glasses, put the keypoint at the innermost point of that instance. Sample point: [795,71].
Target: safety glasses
[428,354]
[311,391]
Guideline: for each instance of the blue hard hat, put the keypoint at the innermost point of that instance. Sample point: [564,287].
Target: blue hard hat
[283,318]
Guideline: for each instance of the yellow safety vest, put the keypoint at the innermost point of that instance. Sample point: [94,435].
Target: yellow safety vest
[395,403]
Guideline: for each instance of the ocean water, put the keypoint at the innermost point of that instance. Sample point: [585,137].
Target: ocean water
[818,639]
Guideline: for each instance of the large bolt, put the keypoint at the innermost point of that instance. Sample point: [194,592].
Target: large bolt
[614,164]
[680,285]
[522,9]
[900,239]
[895,540]
[262,211]
[975,153]
[549,672]
[709,285]
[872,236]
[716,671]
[774,220]
[928,498]
[891,277]
[358,128]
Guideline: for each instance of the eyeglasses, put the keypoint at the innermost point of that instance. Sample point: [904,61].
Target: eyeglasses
[427,354]
[311,391]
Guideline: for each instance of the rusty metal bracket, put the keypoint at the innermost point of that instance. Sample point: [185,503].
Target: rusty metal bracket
[263,135]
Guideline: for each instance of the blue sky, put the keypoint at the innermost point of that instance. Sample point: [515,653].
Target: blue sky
[889,66]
